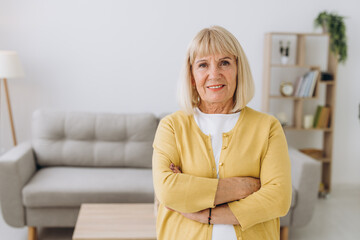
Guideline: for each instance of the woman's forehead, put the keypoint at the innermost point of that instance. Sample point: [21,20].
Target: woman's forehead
[218,55]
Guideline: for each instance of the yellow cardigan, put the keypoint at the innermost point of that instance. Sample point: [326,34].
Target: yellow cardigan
[255,147]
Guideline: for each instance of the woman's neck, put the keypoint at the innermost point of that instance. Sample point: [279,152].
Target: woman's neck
[216,108]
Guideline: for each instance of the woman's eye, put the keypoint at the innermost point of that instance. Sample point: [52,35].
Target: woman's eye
[202,65]
[224,63]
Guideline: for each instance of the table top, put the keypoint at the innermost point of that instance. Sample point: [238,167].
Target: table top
[116,222]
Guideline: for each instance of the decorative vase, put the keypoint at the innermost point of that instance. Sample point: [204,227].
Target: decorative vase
[284,59]
[308,121]
[282,117]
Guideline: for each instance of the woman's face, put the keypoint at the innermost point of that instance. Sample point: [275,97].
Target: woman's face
[215,78]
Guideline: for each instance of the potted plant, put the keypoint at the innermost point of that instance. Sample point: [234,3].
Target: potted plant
[334,25]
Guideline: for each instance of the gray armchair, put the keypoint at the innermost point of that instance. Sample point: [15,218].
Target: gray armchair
[305,174]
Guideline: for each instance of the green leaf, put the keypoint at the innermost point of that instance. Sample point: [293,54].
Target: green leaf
[336,28]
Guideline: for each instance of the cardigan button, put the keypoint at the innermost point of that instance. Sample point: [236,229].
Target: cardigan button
[221,164]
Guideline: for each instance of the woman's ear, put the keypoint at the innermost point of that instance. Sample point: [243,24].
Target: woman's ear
[193,80]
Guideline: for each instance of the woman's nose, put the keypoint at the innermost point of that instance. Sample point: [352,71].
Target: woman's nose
[214,71]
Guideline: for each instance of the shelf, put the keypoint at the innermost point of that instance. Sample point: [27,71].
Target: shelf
[292,97]
[292,128]
[302,44]
[322,159]
[317,154]
[327,82]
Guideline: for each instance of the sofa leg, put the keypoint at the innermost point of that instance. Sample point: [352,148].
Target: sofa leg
[32,233]
[284,233]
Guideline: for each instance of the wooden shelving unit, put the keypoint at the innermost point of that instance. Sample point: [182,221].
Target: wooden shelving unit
[324,155]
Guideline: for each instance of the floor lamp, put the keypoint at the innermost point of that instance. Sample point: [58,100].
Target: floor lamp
[10,67]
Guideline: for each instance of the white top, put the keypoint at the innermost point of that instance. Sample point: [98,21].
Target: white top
[215,125]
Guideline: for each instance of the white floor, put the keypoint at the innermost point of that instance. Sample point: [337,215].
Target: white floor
[337,217]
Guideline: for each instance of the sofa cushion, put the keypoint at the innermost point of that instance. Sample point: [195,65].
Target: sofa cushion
[72,186]
[93,139]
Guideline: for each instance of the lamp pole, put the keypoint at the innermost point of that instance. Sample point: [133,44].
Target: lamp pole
[10,111]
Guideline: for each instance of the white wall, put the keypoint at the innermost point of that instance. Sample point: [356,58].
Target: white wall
[125,56]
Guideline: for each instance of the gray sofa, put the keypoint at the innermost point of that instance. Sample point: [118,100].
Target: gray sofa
[77,157]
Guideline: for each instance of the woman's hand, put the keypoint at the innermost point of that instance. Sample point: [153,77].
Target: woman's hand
[248,185]
[235,188]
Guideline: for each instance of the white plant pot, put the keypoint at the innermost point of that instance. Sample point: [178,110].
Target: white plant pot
[284,59]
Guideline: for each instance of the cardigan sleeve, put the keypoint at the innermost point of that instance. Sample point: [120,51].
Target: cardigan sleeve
[179,191]
[273,199]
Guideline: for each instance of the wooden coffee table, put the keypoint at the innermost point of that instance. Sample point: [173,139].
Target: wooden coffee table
[115,222]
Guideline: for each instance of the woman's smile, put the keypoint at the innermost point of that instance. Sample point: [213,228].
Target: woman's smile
[216,87]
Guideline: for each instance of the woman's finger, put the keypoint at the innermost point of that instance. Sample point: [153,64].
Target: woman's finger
[174,168]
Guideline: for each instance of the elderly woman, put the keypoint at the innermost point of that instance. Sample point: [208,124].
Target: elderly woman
[221,170]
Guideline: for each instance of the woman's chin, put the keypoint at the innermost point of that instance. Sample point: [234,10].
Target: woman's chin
[216,100]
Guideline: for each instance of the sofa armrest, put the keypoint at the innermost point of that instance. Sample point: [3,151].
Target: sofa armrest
[17,166]
[306,174]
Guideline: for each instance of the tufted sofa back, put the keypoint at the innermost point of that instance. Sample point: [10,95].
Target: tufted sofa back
[93,139]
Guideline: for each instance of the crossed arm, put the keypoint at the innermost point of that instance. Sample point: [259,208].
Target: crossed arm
[229,189]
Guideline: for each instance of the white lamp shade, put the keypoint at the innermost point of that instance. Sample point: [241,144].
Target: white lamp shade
[10,65]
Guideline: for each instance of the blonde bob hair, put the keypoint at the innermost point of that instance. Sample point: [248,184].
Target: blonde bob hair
[212,41]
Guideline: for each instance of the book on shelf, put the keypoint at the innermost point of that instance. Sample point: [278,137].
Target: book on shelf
[297,85]
[317,115]
[308,79]
[322,117]
[305,85]
[315,75]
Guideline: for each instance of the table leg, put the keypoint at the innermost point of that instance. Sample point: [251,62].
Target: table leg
[32,233]
[284,233]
